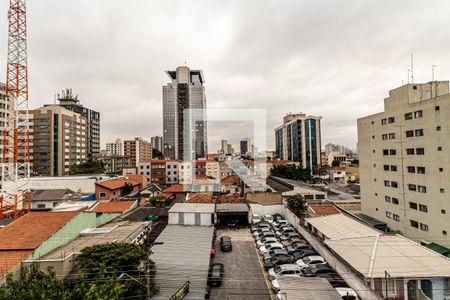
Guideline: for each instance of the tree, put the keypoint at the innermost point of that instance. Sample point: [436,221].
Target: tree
[127,188]
[297,204]
[335,164]
[355,162]
[291,172]
[157,154]
[89,166]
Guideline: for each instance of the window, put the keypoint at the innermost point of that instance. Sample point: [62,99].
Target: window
[373,136]
[408,116]
[388,214]
[102,195]
[387,183]
[414,224]
[444,232]
[410,151]
[437,107]
[384,137]
[396,217]
[394,184]
[421,170]
[412,187]
[114,193]
[421,189]
[391,120]
[387,199]
[439,148]
[375,180]
[441,169]
[393,168]
[391,136]
[392,152]
[442,191]
[443,211]
[395,201]
[409,133]
[413,205]
[411,169]
[438,128]
[41,206]
[418,114]
[386,167]
[373,151]
[385,151]
[423,208]
[419,132]
[383,121]
[423,227]
[420,151]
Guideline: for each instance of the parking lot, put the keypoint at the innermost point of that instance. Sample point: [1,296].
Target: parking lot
[243,276]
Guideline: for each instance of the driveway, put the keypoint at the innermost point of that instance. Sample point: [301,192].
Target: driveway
[244,277]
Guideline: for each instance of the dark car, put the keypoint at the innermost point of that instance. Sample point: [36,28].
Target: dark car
[274,252]
[232,223]
[282,259]
[225,244]
[215,274]
[334,279]
[301,253]
[297,246]
[315,270]
[259,226]
[265,234]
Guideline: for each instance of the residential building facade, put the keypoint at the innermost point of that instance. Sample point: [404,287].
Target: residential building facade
[405,162]
[184,116]
[115,148]
[299,139]
[157,143]
[71,102]
[162,172]
[245,147]
[138,149]
[59,140]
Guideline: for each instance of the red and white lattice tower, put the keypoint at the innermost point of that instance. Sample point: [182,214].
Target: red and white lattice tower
[15,190]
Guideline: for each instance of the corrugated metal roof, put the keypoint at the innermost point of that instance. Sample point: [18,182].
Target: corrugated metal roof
[193,207]
[231,207]
[183,256]
[399,256]
[340,226]
[54,194]
[305,288]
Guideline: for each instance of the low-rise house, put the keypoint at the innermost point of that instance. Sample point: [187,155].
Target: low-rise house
[192,214]
[47,199]
[322,209]
[116,188]
[230,184]
[307,192]
[120,207]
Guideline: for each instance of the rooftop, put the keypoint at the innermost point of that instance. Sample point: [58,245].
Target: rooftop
[400,257]
[200,198]
[176,188]
[54,194]
[323,209]
[340,226]
[117,183]
[305,288]
[230,180]
[193,207]
[113,206]
[231,207]
[182,255]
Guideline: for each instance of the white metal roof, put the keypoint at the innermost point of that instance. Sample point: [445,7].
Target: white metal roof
[399,256]
[193,208]
[340,226]
[306,288]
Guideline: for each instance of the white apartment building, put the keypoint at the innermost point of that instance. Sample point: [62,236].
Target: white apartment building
[404,156]
[212,169]
[115,148]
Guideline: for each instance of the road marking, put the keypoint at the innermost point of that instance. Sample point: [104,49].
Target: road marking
[266,278]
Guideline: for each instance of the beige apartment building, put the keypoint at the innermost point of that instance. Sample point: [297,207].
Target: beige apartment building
[59,140]
[404,157]
[139,149]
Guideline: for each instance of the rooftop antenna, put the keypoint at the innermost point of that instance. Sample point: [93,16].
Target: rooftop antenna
[407,74]
[412,67]
[432,72]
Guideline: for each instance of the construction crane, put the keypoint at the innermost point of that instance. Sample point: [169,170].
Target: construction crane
[15,156]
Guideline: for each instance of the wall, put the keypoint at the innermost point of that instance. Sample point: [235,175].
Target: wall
[83,184]
[189,218]
[266,209]
[71,230]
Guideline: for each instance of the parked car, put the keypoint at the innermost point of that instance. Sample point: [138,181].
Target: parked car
[275,286]
[268,218]
[279,222]
[261,230]
[271,246]
[310,260]
[292,240]
[266,239]
[256,219]
[347,293]
[289,236]
[315,270]
[265,235]
[282,260]
[297,246]
[301,253]
[225,244]
[277,217]
[284,231]
[273,253]
[232,223]
[215,274]
[259,226]
[284,270]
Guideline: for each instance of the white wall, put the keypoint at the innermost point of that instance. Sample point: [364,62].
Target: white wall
[76,183]
[266,209]
[189,218]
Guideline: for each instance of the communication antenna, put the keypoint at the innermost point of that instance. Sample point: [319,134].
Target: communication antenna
[432,72]
[412,67]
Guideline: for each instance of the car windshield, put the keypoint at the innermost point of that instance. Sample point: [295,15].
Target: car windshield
[269,218]
[216,271]
[277,269]
[307,260]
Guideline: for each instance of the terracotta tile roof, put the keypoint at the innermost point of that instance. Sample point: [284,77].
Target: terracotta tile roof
[176,188]
[117,183]
[230,198]
[200,198]
[230,180]
[10,259]
[113,207]
[323,209]
[32,229]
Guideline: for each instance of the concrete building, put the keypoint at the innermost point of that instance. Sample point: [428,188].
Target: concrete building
[184,132]
[157,143]
[71,102]
[115,148]
[299,139]
[116,164]
[117,187]
[200,214]
[245,147]
[138,149]
[405,162]
[157,171]
[50,198]
[60,140]
[224,147]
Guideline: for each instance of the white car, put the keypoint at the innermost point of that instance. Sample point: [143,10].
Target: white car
[281,222]
[275,286]
[264,249]
[347,292]
[268,219]
[310,260]
[256,219]
[281,296]
[265,240]
[290,270]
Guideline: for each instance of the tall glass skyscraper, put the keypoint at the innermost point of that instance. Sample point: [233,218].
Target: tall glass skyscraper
[299,139]
[184,116]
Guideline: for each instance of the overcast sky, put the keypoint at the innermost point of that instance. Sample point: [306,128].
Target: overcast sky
[337,59]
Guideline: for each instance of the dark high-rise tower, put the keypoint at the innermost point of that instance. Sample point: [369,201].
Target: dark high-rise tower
[184,115]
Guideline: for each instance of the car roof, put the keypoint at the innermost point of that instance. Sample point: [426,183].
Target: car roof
[315,257]
[216,264]
[290,267]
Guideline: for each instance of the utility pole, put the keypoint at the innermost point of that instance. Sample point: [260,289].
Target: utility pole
[386,277]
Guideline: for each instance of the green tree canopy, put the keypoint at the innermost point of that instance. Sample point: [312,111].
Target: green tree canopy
[157,154]
[291,172]
[297,204]
[90,166]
